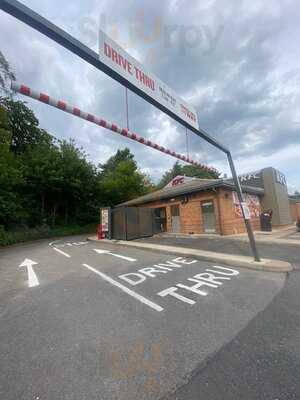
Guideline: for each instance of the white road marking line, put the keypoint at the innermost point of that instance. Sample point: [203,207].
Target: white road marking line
[124,258]
[61,252]
[137,296]
[99,251]
[32,278]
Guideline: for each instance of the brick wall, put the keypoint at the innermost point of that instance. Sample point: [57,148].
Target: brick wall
[191,215]
[295,210]
[226,220]
[230,221]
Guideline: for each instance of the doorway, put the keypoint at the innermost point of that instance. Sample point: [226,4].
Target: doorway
[160,220]
[208,216]
[175,219]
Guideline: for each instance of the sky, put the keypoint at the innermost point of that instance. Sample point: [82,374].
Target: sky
[237,62]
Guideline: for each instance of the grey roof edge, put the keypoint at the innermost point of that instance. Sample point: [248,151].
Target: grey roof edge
[150,197]
[294,199]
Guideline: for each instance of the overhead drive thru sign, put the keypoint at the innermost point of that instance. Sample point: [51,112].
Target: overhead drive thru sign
[112,55]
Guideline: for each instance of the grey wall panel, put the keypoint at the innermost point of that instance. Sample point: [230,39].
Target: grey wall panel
[276,197]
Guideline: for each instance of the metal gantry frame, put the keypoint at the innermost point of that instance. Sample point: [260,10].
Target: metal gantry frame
[47,28]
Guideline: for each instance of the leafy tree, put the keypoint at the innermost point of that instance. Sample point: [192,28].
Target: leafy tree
[114,161]
[121,180]
[23,125]
[41,180]
[41,166]
[169,175]
[6,76]
[197,172]
[5,135]
[10,177]
[62,187]
[80,187]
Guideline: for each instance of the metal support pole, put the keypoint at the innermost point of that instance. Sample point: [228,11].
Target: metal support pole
[240,197]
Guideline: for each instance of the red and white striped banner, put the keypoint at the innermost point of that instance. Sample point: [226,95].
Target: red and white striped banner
[62,105]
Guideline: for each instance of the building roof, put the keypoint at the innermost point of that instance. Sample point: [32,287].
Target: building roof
[193,186]
[294,198]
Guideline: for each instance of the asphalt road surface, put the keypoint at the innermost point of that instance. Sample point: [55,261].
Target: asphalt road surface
[123,323]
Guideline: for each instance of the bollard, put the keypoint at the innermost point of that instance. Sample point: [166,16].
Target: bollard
[100,233]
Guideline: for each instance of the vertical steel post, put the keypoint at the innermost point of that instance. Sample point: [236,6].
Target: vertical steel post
[240,197]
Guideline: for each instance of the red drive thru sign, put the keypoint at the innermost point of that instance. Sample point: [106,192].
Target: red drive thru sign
[111,54]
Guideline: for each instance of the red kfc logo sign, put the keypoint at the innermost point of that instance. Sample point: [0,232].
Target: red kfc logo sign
[177,181]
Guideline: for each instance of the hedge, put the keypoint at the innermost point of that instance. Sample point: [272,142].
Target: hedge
[43,232]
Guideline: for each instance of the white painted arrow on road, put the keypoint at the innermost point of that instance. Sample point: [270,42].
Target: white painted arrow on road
[32,278]
[115,255]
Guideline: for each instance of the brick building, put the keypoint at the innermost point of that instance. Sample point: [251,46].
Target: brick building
[295,208]
[193,205]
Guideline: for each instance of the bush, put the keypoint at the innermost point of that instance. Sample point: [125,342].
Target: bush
[2,234]
[42,232]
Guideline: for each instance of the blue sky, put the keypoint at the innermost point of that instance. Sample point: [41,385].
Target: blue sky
[236,62]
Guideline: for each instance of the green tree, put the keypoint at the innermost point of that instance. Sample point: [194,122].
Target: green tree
[114,161]
[5,135]
[10,177]
[197,172]
[23,125]
[6,76]
[41,165]
[121,180]
[79,197]
[41,180]
[170,174]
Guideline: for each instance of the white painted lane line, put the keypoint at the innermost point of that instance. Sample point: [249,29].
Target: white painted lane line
[101,251]
[32,278]
[124,258]
[61,252]
[115,255]
[137,296]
